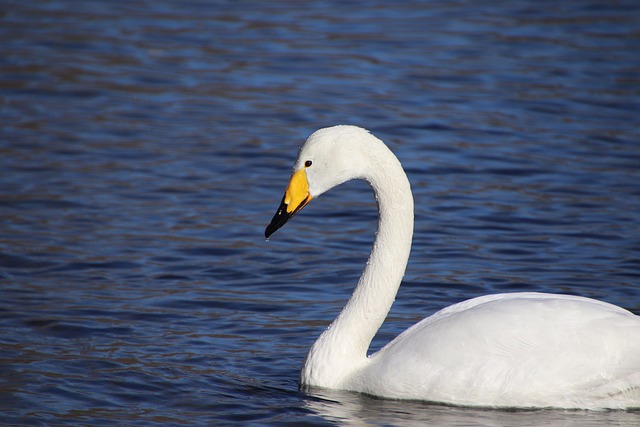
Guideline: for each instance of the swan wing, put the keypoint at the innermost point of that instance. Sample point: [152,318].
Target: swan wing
[523,349]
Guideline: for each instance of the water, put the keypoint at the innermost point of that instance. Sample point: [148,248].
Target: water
[144,147]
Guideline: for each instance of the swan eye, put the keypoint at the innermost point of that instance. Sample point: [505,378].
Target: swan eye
[308,163]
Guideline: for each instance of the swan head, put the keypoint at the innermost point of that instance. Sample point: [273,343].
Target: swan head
[329,157]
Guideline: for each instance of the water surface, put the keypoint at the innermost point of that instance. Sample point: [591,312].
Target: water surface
[144,147]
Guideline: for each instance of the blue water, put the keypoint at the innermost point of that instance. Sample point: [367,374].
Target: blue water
[144,146]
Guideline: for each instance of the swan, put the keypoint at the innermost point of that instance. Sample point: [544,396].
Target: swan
[523,350]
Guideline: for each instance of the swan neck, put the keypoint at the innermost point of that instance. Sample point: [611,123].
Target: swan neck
[342,349]
[381,278]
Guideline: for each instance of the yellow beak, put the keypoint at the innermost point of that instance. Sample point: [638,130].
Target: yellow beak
[296,197]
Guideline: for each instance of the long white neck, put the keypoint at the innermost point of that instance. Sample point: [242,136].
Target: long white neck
[342,349]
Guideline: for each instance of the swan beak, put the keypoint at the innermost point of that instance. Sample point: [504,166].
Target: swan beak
[296,197]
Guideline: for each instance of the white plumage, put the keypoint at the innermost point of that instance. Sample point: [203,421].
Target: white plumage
[504,350]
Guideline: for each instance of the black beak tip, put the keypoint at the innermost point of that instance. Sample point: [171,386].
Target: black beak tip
[269,231]
[282,216]
[278,220]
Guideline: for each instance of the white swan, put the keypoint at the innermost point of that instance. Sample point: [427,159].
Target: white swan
[505,350]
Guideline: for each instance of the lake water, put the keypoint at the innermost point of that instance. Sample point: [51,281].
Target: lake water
[144,146]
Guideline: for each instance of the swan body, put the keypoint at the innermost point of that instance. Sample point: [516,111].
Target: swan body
[504,350]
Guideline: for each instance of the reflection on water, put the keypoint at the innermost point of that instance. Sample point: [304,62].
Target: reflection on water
[145,145]
[352,409]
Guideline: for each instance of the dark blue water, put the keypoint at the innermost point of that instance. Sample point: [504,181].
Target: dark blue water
[144,146]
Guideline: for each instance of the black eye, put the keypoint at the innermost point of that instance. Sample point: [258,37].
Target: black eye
[308,163]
